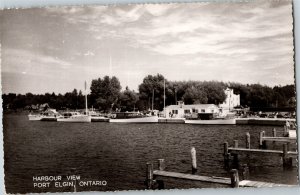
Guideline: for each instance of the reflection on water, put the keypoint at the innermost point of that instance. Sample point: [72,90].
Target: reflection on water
[118,153]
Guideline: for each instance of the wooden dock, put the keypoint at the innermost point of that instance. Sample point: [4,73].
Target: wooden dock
[216,180]
[233,181]
[289,136]
[287,156]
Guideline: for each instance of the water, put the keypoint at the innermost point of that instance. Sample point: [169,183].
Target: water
[118,153]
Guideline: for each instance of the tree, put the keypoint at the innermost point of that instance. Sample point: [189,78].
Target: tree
[195,95]
[128,100]
[105,92]
[153,86]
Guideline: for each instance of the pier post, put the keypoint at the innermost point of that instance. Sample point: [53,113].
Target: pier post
[161,164]
[234,176]
[149,176]
[248,140]
[287,161]
[286,131]
[236,143]
[226,155]
[194,160]
[274,132]
[245,172]
[262,142]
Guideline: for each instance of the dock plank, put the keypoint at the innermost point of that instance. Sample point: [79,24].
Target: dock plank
[213,179]
[280,139]
[192,177]
[279,152]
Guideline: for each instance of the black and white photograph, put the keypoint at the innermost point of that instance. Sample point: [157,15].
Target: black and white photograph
[149,97]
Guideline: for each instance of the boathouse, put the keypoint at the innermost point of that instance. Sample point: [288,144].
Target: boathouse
[186,111]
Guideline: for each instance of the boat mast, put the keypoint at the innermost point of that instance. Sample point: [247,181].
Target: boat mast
[86,110]
[152,98]
[165,97]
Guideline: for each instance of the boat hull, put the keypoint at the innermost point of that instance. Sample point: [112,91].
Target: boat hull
[212,122]
[99,119]
[41,118]
[150,119]
[76,119]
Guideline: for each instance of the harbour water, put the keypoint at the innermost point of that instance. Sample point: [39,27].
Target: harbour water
[117,153]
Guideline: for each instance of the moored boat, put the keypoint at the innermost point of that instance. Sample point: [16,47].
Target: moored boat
[212,122]
[48,115]
[132,117]
[74,117]
[212,119]
[97,117]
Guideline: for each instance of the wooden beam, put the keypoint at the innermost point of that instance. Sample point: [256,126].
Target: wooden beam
[217,180]
[280,139]
[231,150]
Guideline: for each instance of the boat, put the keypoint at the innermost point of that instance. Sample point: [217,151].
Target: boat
[212,122]
[211,119]
[74,117]
[48,115]
[132,117]
[97,117]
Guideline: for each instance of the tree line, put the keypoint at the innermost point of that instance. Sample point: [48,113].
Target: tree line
[107,95]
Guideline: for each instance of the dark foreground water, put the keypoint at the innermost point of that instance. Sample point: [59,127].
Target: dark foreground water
[118,153]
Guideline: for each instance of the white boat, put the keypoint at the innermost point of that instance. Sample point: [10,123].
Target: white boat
[48,115]
[97,117]
[212,122]
[133,117]
[74,117]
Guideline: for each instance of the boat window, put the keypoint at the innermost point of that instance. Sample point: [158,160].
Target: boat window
[202,110]
[175,111]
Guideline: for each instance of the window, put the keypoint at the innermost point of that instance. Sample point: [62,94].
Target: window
[202,110]
[174,111]
[212,111]
[187,112]
[194,110]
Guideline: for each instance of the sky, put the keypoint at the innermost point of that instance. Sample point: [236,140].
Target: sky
[57,49]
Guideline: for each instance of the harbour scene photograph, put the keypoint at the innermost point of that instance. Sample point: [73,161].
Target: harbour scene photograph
[149,97]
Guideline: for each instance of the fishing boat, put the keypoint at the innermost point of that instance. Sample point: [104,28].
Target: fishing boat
[48,115]
[210,119]
[74,117]
[132,117]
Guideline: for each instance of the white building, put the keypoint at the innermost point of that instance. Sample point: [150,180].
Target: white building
[182,111]
[232,100]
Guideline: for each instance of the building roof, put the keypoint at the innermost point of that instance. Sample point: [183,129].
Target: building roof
[189,106]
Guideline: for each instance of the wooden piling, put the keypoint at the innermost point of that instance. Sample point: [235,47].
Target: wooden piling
[161,164]
[226,156]
[236,143]
[287,161]
[234,176]
[274,132]
[262,142]
[286,131]
[225,148]
[149,176]
[248,140]
[194,160]
[245,172]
